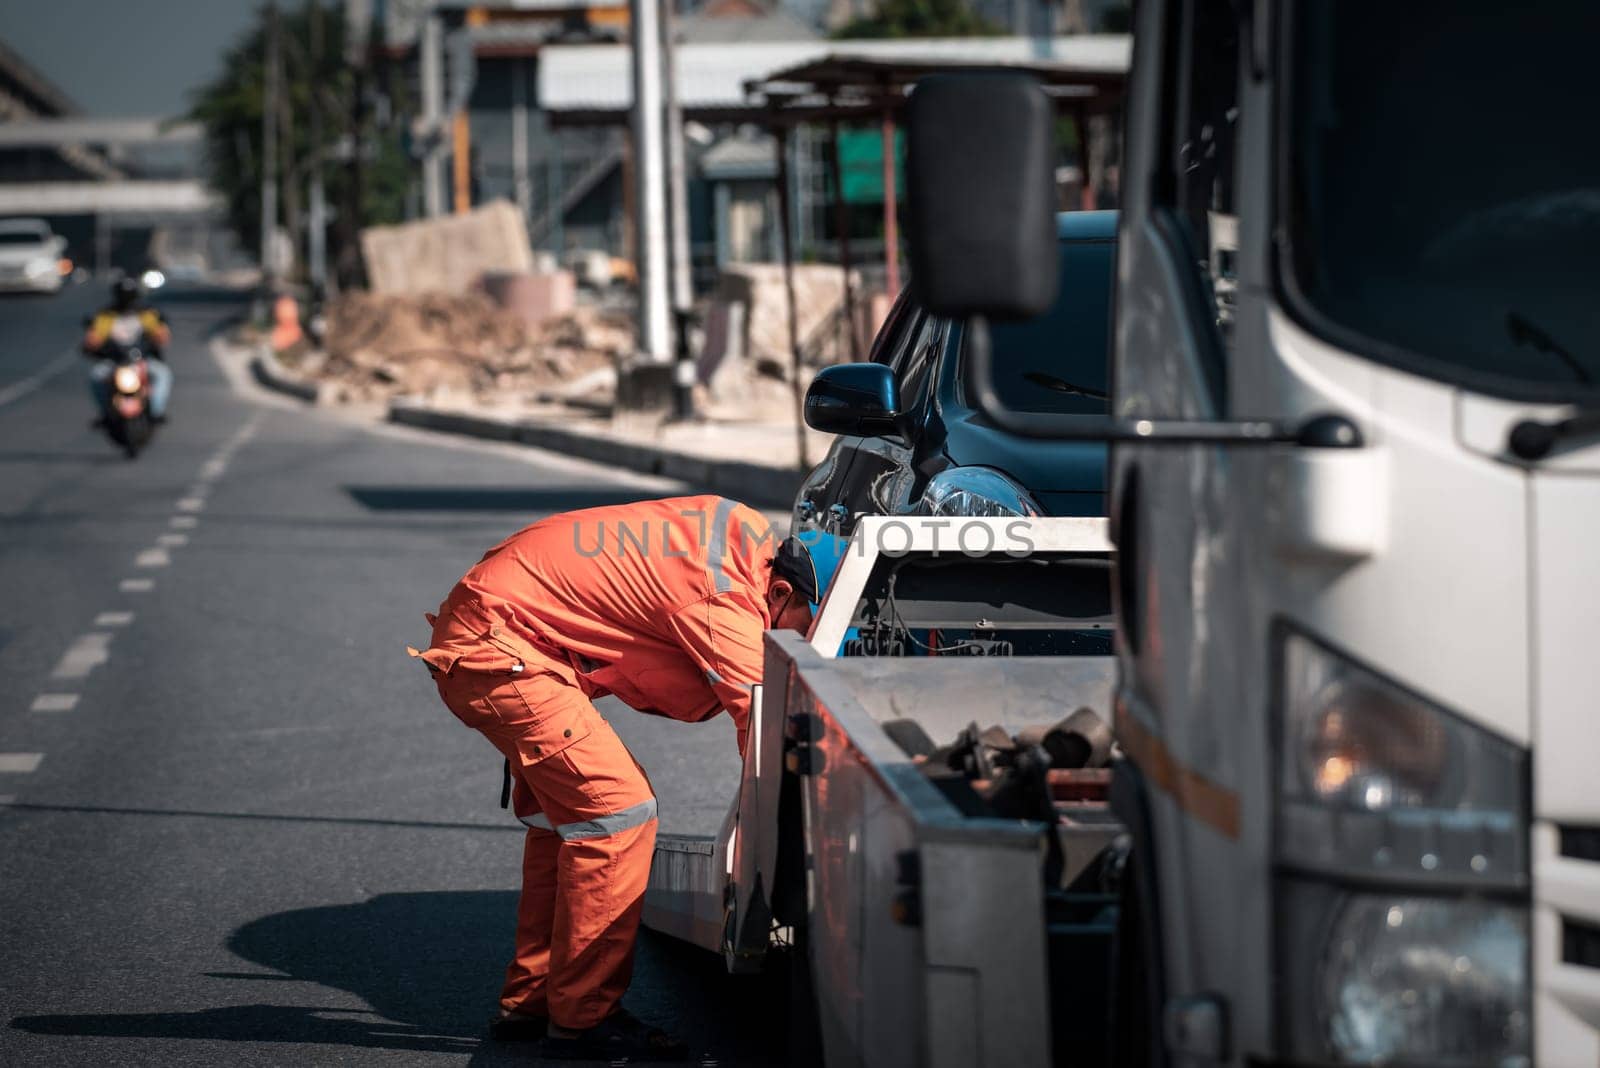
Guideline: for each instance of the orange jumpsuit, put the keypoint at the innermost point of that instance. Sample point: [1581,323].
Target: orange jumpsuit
[661,603]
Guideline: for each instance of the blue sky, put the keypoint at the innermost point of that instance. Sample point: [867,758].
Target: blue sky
[125,57]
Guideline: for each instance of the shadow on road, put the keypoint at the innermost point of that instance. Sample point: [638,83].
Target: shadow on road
[429,965]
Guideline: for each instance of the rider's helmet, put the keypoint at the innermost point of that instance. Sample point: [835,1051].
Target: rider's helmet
[124,293]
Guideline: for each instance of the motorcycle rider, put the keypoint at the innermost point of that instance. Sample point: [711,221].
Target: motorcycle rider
[128,322]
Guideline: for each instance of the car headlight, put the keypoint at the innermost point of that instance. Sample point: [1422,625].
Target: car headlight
[40,268]
[975,491]
[1379,785]
[126,379]
[153,279]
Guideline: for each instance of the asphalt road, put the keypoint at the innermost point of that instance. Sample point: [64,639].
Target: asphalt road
[236,825]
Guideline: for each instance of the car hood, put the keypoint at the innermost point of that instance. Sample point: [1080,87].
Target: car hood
[20,255]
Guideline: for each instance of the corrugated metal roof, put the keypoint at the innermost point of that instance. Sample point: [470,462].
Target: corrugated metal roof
[597,77]
[741,157]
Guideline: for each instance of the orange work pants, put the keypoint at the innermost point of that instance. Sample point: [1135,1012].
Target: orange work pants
[591,818]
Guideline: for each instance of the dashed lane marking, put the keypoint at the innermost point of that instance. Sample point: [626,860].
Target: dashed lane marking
[22,763]
[137,585]
[55,702]
[152,558]
[213,468]
[83,656]
[113,619]
[183,522]
[173,541]
[191,504]
[18,390]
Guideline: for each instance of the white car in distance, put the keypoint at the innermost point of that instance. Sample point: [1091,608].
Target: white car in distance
[31,257]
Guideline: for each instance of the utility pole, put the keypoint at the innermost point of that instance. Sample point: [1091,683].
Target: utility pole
[678,209]
[317,223]
[432,75]
[358,26]
[269,153]
[522,182]
[650,207]
[677,184]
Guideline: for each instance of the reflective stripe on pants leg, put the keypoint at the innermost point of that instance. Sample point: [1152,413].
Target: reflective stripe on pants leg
[633,816]
[538,821]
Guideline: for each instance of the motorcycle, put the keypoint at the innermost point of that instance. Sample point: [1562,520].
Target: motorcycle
[128,421]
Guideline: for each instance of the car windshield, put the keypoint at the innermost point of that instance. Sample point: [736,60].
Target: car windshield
[1058,362]
[1443,191]
[22,237]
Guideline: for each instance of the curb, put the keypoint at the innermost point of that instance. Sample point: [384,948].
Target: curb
[266,369]
[752,483]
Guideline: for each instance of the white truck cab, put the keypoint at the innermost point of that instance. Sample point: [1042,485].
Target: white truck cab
[1355,481]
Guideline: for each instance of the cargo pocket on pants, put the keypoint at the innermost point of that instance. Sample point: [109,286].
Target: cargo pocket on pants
[558,715]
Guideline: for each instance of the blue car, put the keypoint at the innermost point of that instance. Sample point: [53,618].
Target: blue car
[934,453]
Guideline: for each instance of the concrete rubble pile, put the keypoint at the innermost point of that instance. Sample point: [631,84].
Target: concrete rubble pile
[461,347]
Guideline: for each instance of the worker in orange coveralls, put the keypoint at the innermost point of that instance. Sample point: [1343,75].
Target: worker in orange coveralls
[661,603]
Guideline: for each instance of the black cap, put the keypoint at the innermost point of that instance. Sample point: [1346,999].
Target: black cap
[792,561]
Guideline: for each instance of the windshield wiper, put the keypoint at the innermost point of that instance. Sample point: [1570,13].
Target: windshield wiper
[1524,331]
[1533,439]
[1061,385]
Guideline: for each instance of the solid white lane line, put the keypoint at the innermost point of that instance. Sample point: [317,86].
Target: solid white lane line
[172,541]
[191,504]
[22,763]
[83,656]
[55,702]
[137,585]
[183,522]
[152,558]
[113,619]
[18,390]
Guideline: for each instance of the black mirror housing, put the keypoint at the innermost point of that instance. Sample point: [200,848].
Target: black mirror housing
[854,398]
[981,198]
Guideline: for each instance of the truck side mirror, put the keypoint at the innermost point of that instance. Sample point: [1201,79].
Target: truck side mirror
[981,199]
[854,398]
[980,185]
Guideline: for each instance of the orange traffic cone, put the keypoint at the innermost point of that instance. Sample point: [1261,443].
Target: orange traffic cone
[285,324]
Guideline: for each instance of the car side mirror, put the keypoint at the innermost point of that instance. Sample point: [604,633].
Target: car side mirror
[854,398]
[981,197]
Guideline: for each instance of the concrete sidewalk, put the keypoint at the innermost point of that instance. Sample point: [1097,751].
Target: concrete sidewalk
[754,462]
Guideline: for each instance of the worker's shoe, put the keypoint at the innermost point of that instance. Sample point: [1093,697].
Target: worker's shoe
[507,1026]
[621,1036]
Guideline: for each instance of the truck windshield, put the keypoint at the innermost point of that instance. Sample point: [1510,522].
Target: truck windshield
[1058,362]
[1443,187]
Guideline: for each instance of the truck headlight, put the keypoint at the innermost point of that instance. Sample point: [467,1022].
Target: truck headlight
[1379,787]
[975,491]
[1427,980]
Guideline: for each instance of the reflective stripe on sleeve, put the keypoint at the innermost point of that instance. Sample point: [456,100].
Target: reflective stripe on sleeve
[719,545]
